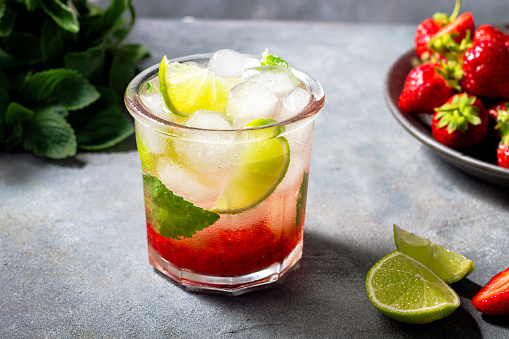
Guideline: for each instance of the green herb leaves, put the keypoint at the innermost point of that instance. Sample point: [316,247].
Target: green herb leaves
[170,215]
[63,73]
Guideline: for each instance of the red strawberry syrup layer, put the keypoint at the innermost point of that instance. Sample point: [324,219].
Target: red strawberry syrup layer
[226,250]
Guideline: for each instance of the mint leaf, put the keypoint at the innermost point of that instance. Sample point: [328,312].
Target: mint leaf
[52,44]
[15,116]
[65,86]
[103,129]
[89,62]
[272,60]
[61,14]
[123,67]
[102,124]
[170,215]
[4,95]
[301,198]
[20,49]
[81,6]
[7,18]
[31,4]
[48,134]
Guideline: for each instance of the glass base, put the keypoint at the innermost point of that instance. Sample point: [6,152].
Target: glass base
[233,285]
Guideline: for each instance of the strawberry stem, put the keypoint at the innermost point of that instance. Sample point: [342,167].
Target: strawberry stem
[456,11]
[458,113]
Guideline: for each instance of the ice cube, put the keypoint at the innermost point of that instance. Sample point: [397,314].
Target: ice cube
[209,153]
[208,120]
[280,80]
[154,142]
[228,63]
[250,100]
[186,183]
[154,103]
[293,103]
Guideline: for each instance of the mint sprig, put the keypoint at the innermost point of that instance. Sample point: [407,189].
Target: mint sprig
[69,69]
[273,60]
[170,215]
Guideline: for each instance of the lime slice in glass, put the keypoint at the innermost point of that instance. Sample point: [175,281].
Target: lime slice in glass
[448,265]
[188,88]
[262,165]
[406,290]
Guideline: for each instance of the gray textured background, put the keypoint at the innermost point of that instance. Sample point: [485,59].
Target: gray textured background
[386,11]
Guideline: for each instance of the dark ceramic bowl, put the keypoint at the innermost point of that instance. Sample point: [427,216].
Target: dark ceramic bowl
[479,161]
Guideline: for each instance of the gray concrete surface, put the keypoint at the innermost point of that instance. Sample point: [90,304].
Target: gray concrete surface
[73,253]
[366,11]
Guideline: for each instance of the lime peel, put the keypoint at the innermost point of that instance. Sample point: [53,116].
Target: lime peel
[163,87]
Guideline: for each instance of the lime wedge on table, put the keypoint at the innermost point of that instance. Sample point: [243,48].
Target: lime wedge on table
[262,165]
[448,265]
[188,88]
[406,290]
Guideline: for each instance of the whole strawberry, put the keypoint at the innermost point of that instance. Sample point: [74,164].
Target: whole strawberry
[500,113]
[461,122]
[490,33]
[493,298]
[498,108]
[486,69]
[426,88]
[503,152]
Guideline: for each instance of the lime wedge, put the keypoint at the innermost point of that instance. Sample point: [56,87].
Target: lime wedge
[188,88]
[406,290]
[448,265]
[262,165]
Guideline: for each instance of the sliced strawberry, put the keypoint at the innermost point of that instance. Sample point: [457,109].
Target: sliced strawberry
[493,298]
[461,122]
[428,28]
[459,27]
[425,31]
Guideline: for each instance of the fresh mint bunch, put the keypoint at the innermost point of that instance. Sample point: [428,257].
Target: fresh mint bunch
[63,72]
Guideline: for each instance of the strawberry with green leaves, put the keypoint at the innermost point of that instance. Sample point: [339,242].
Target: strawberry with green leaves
[442,33]
[428,86]
[500,113]
[486,69]
[461,122]
[493,298]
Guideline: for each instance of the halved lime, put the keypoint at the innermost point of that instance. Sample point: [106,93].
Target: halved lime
[406,290]
[188,88]
[262,165]
[448,265]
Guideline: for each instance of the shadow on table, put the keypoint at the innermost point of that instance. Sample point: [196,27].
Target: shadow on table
[496,194]
[32,164]
[325,296]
